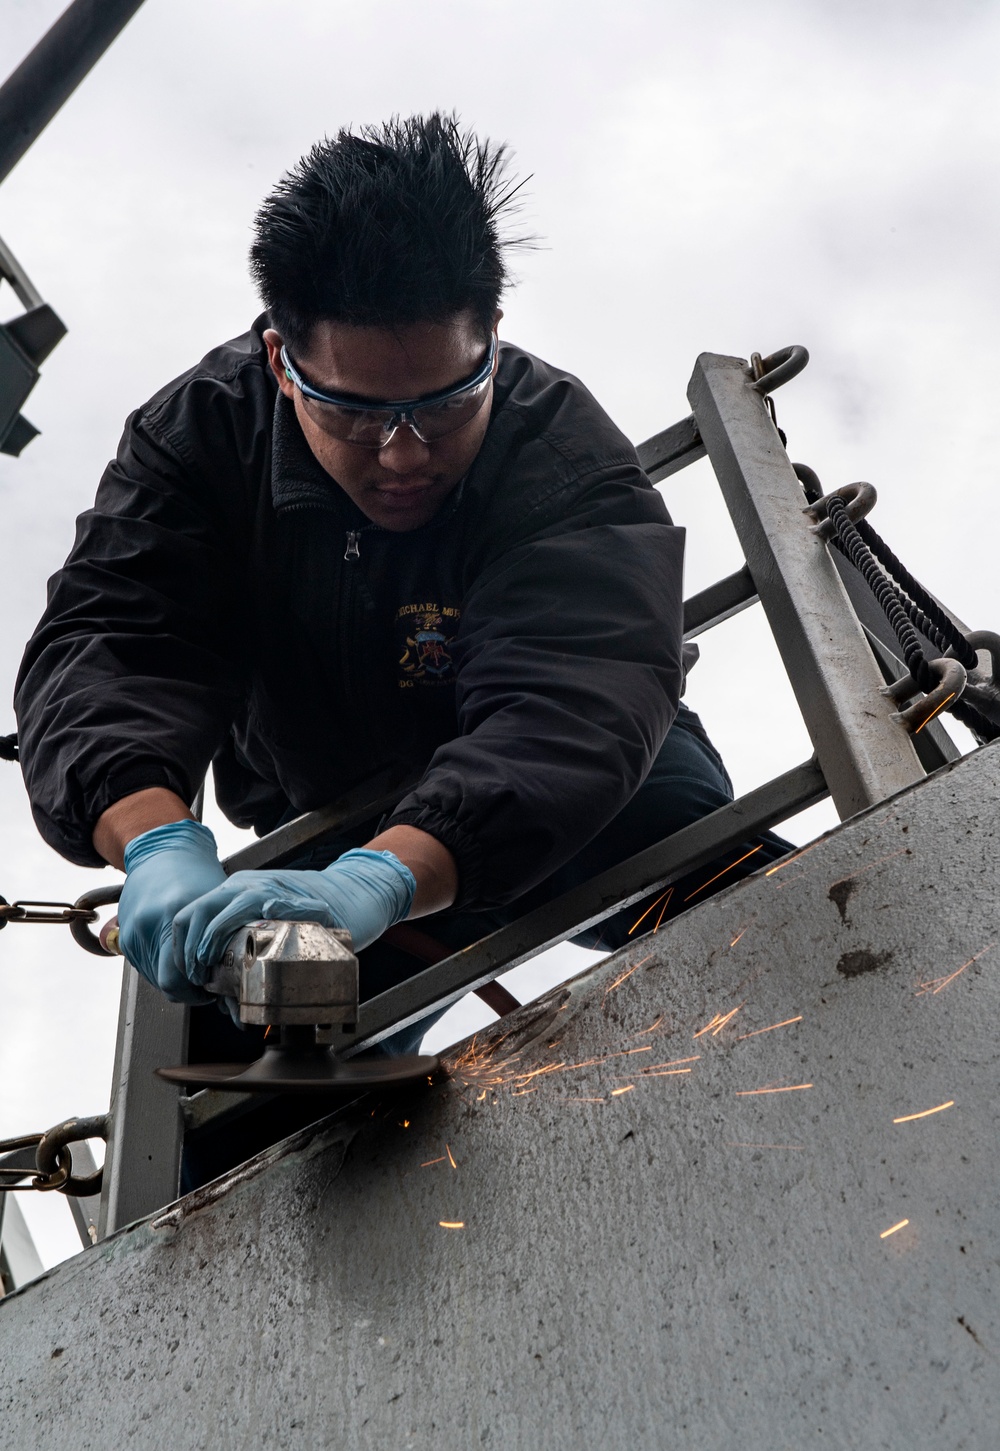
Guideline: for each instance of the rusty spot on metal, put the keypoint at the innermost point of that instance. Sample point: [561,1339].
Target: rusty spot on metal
[840,894]
[853,964]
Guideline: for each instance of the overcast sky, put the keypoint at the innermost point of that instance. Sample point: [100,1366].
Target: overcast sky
[724,177]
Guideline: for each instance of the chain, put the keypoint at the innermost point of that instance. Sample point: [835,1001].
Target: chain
[77,916]
[908,607]
[61,913]
[11,1174]
[53,1167]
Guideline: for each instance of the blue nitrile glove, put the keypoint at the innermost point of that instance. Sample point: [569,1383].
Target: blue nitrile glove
[364,891]
[166,868]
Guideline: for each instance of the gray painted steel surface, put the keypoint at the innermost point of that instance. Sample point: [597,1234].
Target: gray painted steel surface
[687,1263]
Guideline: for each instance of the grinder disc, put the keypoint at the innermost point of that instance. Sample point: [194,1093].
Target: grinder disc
[304,1070]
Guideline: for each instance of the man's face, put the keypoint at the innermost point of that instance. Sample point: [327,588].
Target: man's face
[402,485]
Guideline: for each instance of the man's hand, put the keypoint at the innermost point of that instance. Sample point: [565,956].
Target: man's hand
[178,909]
[403,872]
[166,868]
[363,891]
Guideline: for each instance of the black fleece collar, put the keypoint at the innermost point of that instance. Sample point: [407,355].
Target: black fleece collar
[298,480]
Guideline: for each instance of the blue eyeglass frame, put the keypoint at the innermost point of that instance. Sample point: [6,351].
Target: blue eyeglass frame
[400,410]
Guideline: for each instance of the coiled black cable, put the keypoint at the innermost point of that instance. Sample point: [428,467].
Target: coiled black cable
[908,607]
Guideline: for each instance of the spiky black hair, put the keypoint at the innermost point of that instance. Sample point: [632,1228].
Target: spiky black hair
[399,223]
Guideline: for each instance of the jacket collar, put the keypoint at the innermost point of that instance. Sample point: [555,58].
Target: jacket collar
[298,481]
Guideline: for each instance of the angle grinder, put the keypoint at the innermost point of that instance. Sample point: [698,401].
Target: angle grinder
[300,980]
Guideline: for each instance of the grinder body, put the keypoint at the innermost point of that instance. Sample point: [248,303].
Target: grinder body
[302,979]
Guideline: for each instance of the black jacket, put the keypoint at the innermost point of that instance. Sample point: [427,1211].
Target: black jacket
[523,649]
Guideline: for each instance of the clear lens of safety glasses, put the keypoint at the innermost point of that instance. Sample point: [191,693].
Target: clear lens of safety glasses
[372,426]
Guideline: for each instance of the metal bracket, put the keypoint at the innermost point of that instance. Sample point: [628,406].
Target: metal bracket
[25,343]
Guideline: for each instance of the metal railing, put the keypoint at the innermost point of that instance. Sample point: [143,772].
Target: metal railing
[836,663]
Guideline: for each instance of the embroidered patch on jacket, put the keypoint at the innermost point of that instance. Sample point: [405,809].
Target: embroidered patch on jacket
[426,633]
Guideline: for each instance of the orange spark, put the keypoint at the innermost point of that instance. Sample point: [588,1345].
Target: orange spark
[616,1091]
[406,1123]
[909,1117]
[623,1053]
[619,980]
[452,1223]
[753,849]
[934,712]
[428,1162]
[892,1228]
[789,859]
[451,1156]
[655,1024]
[584,1100]
[523,1092]
[662,910]
[937,984]
[663,1072]
[482,1095]
[870,866]
[791,1088]
[770,1029]
[536,1072]
[745,929]
[718,1022]
[649,909]
[707,1026]
[722,1023]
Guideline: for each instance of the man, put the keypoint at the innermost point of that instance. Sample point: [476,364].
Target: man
[366,534]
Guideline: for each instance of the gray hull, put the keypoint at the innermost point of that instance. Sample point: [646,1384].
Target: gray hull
[654,1254]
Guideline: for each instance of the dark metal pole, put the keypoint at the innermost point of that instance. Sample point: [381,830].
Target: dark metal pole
[49,74]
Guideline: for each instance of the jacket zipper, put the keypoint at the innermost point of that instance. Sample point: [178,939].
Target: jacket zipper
[353,550]
[352,618]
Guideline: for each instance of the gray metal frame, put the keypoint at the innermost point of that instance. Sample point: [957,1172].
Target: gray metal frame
[623,885]
[865,755]
[19,1261]
[11,271]
[835,667]
[50,73]
[142,1163]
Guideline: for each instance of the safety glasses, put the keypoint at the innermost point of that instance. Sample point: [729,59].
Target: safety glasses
[372,425]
